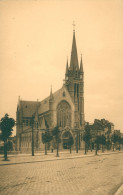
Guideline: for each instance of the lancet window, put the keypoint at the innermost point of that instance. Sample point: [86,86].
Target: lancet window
[63,114]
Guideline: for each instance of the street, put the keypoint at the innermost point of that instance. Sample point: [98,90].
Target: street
[98,175]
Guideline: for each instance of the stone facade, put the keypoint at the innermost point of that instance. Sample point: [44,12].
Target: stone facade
[64,108]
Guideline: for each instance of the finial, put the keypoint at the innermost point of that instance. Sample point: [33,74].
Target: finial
[51,90]
[18,99]
[81,65]
[73,26]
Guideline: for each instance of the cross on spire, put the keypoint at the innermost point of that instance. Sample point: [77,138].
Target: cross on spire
[73,26]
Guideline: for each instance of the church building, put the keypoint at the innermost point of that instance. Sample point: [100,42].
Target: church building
[63,108]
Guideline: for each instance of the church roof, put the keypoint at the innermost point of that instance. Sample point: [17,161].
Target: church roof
[28,107]
[44,104]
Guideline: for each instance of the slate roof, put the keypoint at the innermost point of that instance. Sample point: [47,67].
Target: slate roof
[28,107]
[44,104]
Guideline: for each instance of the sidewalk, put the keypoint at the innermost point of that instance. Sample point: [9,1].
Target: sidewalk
[41,157]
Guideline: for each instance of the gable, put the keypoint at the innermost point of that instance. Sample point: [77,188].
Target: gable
[63,94]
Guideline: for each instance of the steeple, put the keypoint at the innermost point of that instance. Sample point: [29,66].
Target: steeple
[74,57]
[81,66]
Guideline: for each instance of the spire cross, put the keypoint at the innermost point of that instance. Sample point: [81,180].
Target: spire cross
[74,26]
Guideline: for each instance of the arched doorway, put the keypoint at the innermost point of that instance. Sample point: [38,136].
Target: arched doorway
[65,140]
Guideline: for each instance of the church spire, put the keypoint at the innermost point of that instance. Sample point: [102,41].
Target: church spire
[81,65]
[74,57]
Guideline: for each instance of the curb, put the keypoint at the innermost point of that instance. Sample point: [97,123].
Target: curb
[120,189]
[60,158]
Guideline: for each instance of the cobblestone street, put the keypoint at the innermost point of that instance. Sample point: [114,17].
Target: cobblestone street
[98,175]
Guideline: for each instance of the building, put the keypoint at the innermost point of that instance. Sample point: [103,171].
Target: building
[64,108]
[99,128]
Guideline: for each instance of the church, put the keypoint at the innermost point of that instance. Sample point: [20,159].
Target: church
[63,108]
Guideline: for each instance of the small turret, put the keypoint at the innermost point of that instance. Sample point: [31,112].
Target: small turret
[81,66]
[51,108]
[66,67]
[51,94]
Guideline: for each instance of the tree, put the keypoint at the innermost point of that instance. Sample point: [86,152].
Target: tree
[108,144]
[6,126]
[103,141]
[56,134]
[77,142]
[87,137]
[46,137]
[70,142]
[115,139]
[121,141]
[97,142]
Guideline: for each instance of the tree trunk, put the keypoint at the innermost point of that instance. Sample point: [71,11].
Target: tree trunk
[102,148]
[91,147]
[32,139]
[113,147]
[70,149]
[57,155]
[45,148]
[96,150]
[85,148]
[5,150]
[119,147]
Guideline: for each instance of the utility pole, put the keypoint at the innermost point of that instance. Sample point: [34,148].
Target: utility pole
[32,135]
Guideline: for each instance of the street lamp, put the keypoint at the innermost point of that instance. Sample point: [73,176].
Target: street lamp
[77,142]
[32,135]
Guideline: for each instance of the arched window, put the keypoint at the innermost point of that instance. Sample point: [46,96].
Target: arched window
[63,114]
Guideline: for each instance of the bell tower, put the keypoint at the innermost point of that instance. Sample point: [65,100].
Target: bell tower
[74,81]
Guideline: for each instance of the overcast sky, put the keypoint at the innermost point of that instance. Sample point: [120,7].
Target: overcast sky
[35,40]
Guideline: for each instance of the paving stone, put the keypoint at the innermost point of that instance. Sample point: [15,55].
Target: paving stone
[97,175]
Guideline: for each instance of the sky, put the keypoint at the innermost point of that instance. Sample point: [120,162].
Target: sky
[36,39]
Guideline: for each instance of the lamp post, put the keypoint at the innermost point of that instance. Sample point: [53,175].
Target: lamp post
[77,142]
[45,141]
[32,135]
